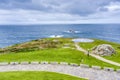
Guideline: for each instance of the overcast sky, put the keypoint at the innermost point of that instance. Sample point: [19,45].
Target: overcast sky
[59,11]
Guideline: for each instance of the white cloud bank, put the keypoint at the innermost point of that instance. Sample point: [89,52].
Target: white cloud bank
[64,11]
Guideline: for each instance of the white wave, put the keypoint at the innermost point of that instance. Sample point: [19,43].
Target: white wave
[72,31]
[56,36]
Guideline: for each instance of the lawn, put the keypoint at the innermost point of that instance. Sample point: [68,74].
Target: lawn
[116,46]
[35,75]
[57,54]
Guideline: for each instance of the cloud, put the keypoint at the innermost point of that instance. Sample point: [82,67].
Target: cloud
[113,6]
[81,7]
[37,11]
[31,16]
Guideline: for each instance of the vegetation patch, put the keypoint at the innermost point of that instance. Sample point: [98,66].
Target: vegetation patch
[35,75]
[39,44]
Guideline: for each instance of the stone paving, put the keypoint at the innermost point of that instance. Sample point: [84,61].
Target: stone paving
[88,73]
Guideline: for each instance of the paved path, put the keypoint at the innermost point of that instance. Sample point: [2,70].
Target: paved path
[78,71]
[80,48]
[96,56]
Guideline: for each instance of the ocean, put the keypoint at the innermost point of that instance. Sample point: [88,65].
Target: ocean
[14,34]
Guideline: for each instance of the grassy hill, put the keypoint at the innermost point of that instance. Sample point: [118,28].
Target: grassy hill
[52,49]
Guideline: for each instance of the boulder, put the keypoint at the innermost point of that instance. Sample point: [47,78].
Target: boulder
[103,50]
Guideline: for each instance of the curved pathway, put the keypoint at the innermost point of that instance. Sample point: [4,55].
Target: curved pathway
[96,56]
[88,73]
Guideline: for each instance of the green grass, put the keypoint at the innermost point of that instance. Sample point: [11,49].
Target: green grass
[58,55]
[36,76]
[116,46]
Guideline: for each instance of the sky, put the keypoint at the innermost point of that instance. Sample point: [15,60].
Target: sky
[59,11]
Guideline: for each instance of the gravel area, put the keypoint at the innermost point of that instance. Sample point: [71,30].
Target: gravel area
[78,71]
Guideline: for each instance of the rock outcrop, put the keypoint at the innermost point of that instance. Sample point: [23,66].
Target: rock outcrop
[103,50]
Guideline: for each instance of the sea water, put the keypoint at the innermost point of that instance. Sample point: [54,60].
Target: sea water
[14,34]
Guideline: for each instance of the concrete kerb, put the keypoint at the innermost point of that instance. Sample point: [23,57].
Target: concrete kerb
[64,63]
[96,67]
[54,63]
[84,66]
[14,63]
[44,62]
[4,63]
[108,69]
[74,64]
[34,63]
[24,63]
